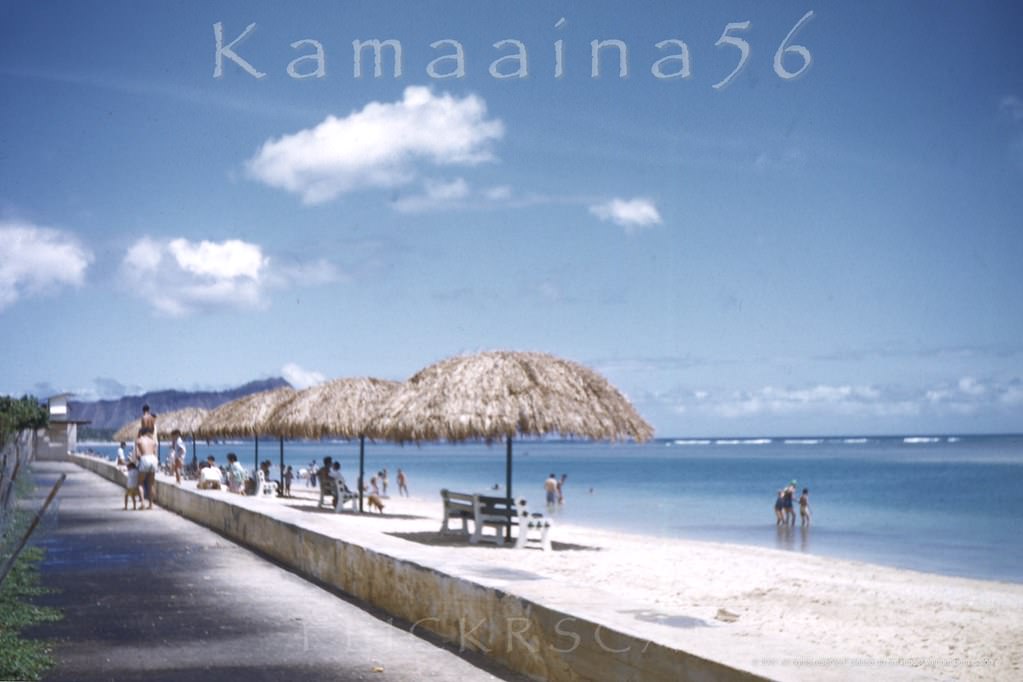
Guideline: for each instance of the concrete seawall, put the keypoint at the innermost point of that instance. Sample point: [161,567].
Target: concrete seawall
[394,575]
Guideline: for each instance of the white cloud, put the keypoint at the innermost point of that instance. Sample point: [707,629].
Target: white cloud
[220,261]
[967,396]
[378,146]
[38,260]
[632,214]
[301,378]
[436,195]
[179,277]
[845,400]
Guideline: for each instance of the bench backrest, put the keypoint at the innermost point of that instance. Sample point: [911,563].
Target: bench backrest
[457,499]
[497,506]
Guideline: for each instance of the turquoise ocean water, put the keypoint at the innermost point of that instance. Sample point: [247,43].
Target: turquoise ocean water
[948,504]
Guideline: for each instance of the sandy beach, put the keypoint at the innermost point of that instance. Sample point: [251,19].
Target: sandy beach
[793,616]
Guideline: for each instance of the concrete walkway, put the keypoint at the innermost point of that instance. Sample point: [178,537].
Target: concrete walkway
[151,596]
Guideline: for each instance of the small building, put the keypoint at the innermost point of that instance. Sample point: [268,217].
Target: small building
[62,433]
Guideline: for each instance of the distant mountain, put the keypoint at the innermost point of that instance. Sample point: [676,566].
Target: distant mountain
[113,414]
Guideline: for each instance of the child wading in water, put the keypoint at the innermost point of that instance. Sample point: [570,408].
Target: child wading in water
[804,507]
[132,488]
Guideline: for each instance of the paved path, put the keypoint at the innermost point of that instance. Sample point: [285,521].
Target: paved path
[150,596]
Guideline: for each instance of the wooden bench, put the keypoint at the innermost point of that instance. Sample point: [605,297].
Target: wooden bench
[532,523]
[457,506]
[341,494]
[264,488]
[500,513]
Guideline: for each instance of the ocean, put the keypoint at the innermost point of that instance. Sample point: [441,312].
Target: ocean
[942,504]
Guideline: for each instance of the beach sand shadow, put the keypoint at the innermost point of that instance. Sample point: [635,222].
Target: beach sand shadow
[437,539]
[367,514]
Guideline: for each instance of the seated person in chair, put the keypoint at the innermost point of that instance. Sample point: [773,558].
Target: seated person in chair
[209,475]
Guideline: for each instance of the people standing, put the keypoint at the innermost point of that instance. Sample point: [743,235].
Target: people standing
[561,489]
[402,483]
[148,419]
[383,481]
[148,463]
[804,507]
[121,461]
[787,500]
[779,508]
[550,487]
[177,455]
[288,476]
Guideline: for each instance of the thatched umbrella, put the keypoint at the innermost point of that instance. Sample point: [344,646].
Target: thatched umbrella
[128,432]
[341,408]
[246,416]
[501,394]
[186,420]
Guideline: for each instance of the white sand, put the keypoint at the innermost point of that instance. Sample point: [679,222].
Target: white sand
[817,617]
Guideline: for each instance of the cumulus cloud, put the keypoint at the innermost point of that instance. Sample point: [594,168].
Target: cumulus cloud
[37,260]
[179,277]
[381,145]
[299,377]
[632,214]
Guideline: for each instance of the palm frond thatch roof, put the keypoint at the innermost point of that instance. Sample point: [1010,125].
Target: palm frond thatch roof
[341,408]
[128,432]
[246,416]
[187,420]
[501,394]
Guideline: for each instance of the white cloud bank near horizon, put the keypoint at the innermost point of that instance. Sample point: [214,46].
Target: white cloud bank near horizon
[632,214]
[38,261]
[379,146]
[964,397]
[179,277]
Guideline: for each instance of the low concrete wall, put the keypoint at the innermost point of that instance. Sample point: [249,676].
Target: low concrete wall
[523,635]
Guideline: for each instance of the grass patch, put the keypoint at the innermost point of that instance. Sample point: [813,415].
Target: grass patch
[20,658]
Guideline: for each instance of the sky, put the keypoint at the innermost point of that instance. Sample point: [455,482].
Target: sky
[784,218]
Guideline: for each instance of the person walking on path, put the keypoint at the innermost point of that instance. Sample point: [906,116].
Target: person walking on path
[131,488]
[148,463]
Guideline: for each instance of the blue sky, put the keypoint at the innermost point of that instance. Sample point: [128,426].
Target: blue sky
[837,252]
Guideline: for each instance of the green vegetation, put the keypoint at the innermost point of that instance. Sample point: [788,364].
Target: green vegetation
[23,659]
[20,413]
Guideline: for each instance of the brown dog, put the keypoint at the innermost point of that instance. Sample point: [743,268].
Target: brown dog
[375,502]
